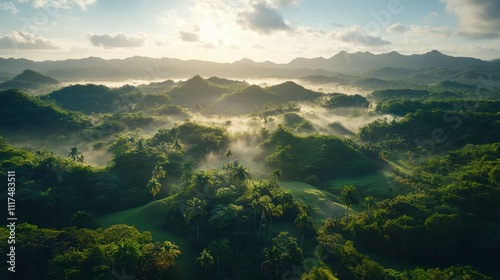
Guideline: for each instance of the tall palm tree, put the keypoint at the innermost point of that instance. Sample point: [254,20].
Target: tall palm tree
[154,187]
[168,252]
[220,248]
[195,210]
[263,206]
[348,197]
[75,155]
[274,263]
[303,222]
[273,211]
[206,260]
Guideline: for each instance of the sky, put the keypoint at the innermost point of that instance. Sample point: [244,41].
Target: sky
[261,30]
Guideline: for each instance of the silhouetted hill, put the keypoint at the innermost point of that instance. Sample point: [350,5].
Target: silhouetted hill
[290,91]
[29,80]
[31,76]
[390,72]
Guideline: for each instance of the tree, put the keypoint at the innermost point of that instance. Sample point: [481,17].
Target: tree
[168,252]
[229,153]
[194,210]
[348,197]
[273,211]
[187,169]
[303,222]
[75,155]
[158,172]
[205,260]
[261,206]
[154,187]
[370,203]
[282,255]
[220,248]
[177,145]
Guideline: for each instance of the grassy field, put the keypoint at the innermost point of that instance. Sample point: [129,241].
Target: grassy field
[378,184]
[150,218]
[322,204]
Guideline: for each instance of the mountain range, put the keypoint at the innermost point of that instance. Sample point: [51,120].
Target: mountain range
[144,68]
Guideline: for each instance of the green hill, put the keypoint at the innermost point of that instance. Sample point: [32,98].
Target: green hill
[196,91]
[290,91]
[86,98]
[20,113]
[29,80]
[244,101]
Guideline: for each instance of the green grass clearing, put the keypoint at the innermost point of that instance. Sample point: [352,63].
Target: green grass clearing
[150,218]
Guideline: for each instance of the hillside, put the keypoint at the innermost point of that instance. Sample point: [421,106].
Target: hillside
[29,80]
[25,115]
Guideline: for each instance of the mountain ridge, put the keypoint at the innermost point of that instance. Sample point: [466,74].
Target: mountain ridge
[147,68]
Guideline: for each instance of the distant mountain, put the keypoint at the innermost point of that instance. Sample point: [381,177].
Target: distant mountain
[357,62]
[145,68]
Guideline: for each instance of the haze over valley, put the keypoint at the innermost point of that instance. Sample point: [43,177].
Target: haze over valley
[267,139]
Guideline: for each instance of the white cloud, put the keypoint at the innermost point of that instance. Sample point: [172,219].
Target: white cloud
[397,28]
[170,18]
[117,40]
[415,30]
[430,16]
[262,19]
[478,18]
[63,4]
[357,36]
[25,40]
[189,36]
[9,7]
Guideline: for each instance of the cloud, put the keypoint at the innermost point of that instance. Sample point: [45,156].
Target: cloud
[356,35]
[63,4]
[397,28]
[420,30]
[117,40]
[430,16]
[262,19]
[170,18]
[9,7]
[478,18]
[189,36]
[25,40]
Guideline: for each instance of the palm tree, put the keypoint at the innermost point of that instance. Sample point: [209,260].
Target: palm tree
[75,155]
[154,187]
[205,260]
[187,168]
[169,251]
[273,211]
[348,197]
[220,248]
[262,207]
[274,263]
[229,153]
[303,222]
[158,172]
[177,145]
[369,203]
[195,209]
